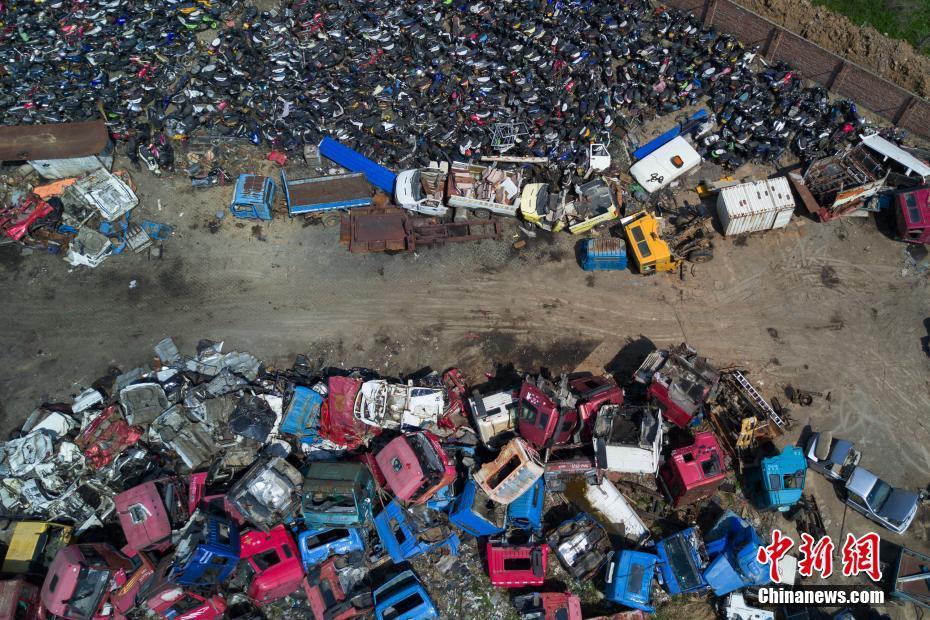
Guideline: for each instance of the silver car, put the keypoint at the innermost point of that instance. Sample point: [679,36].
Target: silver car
[879,501]
[834,458]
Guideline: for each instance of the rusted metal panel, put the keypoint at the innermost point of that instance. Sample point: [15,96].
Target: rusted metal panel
[377,230]
[57,141]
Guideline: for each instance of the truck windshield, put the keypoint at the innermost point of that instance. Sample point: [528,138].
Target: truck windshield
[430,463]
[529,413]
[879,495]
[91,585]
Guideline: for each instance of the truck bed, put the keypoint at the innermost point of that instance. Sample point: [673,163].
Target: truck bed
[326,193]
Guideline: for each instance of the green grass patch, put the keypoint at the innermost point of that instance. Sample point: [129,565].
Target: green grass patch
[908,20]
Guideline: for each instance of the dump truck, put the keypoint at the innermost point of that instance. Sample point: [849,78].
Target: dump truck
[326,197]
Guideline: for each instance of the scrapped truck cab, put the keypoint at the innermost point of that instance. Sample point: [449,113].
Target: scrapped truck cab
[391,406]
[19,599]
[494,415]
[93,580]
[777,482]
[548,606]
[269,492]
[330,598]
[679,381]
[538,206]
[512,473]
[474,512]
[629,579]
[302,416]
[693,473]
[515,563]
[32,545]
[582,546]
[650,253]
[207,551]
[912,215]
[415,466]
[174,602]
[337,494]
[546,415]
[594,392]
[422,191]
[253,198]
[628,438]
[404,598]
[149,512]
[271,563]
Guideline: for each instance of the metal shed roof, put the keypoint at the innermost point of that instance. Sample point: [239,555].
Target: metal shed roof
[893,151]
[57,141]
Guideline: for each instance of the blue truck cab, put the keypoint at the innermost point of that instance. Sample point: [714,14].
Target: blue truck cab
[207,552]
[682,560]
[604,254]
[777,483]
[253,198]
[629,579]
[404,598]
[318,544]
[474,512]
[399,532]
[526,511]
[302,417]
[732,545]
[337,494]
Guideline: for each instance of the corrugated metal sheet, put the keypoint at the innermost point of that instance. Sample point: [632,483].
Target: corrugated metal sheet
[58,141]
[351,160]
[755,206]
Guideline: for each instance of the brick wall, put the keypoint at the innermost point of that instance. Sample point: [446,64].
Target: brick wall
[842,77]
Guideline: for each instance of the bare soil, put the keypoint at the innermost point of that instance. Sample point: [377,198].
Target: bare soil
[893,59]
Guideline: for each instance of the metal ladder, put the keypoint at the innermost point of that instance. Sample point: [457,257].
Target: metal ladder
[760,402]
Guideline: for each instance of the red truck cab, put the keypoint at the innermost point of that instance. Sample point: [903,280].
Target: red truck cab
[912,213]
[693,473]
[19,599]
[415,466]
[150,511]
[541,421]
[90,581]
[272,563]
[593,393]
[175,602]
[327,597]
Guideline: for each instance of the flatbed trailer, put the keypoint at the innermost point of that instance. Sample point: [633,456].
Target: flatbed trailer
[390,229]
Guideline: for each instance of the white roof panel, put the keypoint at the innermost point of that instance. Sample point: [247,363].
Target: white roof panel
[895,152]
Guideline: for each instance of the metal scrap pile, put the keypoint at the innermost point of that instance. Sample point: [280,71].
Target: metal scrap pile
[212,484]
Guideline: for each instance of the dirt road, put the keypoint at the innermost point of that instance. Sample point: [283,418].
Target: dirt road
[829,308]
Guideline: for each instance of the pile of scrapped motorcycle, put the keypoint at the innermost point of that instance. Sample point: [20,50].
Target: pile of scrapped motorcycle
[405,82]
[212,484]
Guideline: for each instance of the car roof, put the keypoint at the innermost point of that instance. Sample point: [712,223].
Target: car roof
[861,481]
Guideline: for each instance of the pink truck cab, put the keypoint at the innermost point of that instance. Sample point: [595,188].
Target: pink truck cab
[912,214]
[150,511]
[93,581]
[542,421]
[272,563]
[693,473]
[415,466]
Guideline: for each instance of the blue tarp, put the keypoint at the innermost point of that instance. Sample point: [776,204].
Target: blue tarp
[351,160]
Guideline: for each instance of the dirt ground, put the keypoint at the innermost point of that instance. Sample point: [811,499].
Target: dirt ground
[891,58]
[833,308]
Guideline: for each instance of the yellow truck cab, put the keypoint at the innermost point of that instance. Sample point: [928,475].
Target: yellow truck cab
[650,253]
[536,208]
[32,545]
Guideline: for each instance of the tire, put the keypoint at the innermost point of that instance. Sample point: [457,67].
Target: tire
[700,256]
[482,214]
[331,219]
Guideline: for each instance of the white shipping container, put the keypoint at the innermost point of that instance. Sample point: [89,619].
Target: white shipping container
[755,206]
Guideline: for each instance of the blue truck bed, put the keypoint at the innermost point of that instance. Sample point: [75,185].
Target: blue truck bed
[314,195]
[377,175]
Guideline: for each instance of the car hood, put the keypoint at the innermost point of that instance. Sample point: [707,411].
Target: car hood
[899,505]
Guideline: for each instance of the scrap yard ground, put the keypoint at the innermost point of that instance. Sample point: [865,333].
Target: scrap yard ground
[828,307]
